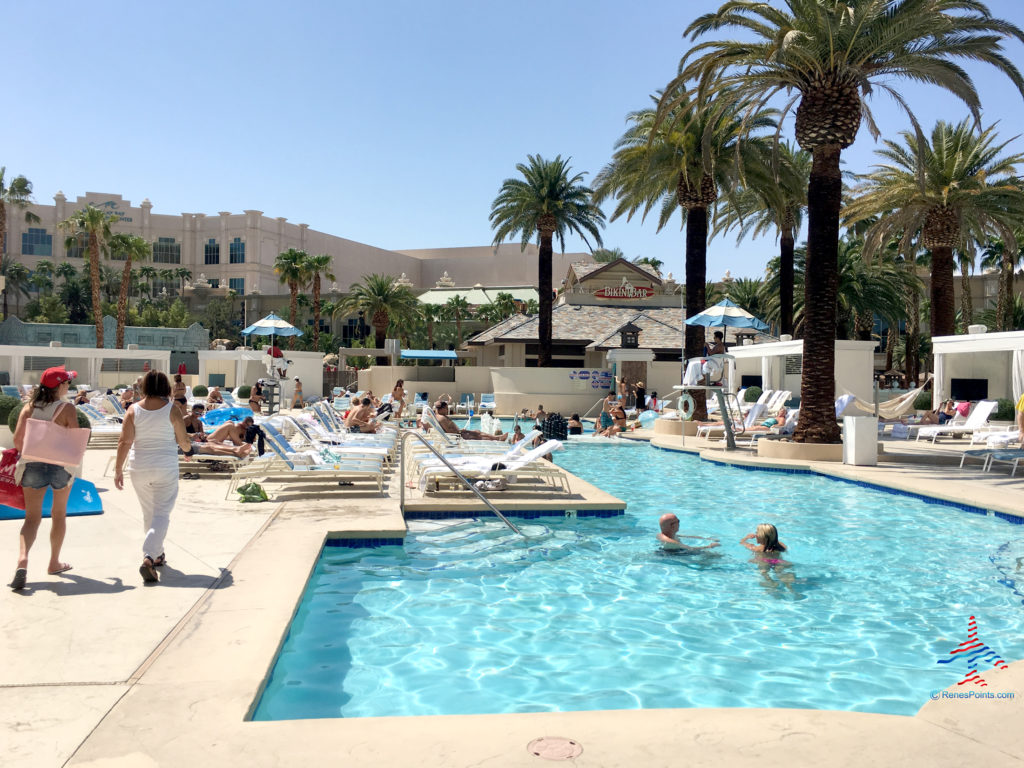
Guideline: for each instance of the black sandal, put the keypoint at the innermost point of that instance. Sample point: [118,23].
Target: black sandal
[160,561]
[20,576]
[149,574]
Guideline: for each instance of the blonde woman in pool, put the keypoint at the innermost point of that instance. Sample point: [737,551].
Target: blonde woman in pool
[768,556]
[767,537]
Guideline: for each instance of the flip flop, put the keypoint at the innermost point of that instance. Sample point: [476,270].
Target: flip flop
[160,561]
[149,574]
[19,578]
[63,567]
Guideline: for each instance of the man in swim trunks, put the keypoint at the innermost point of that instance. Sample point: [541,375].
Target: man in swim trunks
[670,531]
[362,418]
[452,428]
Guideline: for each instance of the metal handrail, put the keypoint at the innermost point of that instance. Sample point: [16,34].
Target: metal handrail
[473,488]
[600,400]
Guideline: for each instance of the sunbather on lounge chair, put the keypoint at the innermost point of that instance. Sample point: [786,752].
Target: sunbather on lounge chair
[229,437]
[452,428]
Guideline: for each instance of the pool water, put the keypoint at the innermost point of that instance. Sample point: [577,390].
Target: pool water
[591,614]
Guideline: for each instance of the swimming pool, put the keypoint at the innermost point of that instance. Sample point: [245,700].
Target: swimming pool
[590,614]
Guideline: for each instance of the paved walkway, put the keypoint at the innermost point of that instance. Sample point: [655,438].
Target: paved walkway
[100,671]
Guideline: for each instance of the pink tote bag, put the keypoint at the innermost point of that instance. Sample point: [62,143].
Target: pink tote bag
[53,444]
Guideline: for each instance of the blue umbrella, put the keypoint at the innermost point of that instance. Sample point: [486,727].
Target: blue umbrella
[725,313]
[272,326]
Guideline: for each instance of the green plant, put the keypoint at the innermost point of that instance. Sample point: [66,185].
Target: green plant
[83,420]
[242,393]
[752,394]
[200,391]
[923,401]
[1004,410]
[8,404]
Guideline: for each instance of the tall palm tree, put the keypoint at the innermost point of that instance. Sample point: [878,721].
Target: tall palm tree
[42,278]
[996,255]
[965,262]
[16,194]
[431,314]
[290,270]
[772,202]
[316,267]
[16,280]
[604,255]
[131,248]
[183,274]
[380,298]
[457,308]
[653,262]
[148,276]
[681,164]
[91,226]
[546,202]
[66,271]
[832,53]
[952,191]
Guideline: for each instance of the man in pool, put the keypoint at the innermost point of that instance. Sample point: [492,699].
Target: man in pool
[669,532]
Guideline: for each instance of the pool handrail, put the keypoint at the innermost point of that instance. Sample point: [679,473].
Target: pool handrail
[462,478]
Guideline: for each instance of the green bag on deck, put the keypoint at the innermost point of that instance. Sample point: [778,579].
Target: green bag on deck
[252,492]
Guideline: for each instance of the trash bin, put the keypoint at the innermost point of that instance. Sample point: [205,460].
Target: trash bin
[860,441]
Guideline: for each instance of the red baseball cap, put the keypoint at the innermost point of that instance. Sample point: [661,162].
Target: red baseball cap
[54,377]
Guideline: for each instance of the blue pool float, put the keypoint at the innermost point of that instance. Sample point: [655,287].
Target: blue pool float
[218,416]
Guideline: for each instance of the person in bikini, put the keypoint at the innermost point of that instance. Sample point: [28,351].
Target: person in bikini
[449,426]
[256,397]
[178,390]
[775,571]
[194,425]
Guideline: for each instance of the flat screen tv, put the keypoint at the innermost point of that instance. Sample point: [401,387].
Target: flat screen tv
[968,389]
[750,381]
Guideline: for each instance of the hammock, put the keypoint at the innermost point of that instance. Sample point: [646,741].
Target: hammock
[890,409]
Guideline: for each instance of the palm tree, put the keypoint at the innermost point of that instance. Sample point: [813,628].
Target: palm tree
[42,278]
[66,271]
[604,255]
[380,298]
[953,191]
[457,308]
[131,248]
[183,274]
[830,52]
[965,261]
[91,226]
[996,255]
[148,275]
[16,280]
[549,202]
[681,164]
[654,263]
[772,202]
[747,293]
[17,194]
[290,270]
[317,266]
[431,314]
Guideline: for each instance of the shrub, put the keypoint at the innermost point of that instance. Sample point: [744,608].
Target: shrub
[242,393]
[12,419]
[923,401]
[1004,410]
[752,394]
[8,404]
[200,391]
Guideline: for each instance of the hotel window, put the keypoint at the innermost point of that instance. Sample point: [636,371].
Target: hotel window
[211,252]
[36,242]
[237,284]
[214,282]
[236,251]
[166,251]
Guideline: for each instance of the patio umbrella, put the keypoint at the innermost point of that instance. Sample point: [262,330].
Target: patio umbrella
[725,313]
[272,326]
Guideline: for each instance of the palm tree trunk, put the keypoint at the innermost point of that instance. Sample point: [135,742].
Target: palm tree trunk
[891,341]
[1004,301]
[316,312]
[293,308]
[787,244]
[912,343]
[817,423]
[3,234]
[122,302]
[94,281]
[544,298]
[943,309]
[696,295]
[966,302]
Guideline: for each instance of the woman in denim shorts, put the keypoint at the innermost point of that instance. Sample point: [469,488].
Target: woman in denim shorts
[47,403]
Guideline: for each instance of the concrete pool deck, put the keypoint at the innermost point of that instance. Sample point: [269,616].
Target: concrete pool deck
[101,671]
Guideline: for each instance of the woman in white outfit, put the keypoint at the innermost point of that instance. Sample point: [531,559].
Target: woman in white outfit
[151,434]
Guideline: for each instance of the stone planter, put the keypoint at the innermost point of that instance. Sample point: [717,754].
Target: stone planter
[780,449]
[6,438]
[668,426]
[690,428]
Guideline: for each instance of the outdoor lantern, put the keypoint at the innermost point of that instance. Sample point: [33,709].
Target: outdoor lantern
[630,336]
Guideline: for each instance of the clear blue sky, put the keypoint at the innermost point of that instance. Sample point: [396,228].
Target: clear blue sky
[390,123]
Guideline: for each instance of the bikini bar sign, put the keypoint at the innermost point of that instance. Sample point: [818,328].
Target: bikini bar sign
[624,292]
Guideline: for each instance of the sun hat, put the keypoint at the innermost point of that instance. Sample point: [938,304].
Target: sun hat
[54,377]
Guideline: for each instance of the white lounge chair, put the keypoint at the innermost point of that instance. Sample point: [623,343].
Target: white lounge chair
[749,420]
[975,421]
[487,402]
[530,464]
[466,403]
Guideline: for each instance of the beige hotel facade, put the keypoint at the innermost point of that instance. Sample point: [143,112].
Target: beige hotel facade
[238,250]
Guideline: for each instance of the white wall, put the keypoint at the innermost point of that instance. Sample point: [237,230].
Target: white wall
[994,366]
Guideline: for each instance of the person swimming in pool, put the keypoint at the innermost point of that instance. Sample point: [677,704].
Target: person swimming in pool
[767,537]
[775,572]
[668,537]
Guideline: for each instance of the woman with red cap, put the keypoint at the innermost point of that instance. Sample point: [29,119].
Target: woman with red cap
[47,404]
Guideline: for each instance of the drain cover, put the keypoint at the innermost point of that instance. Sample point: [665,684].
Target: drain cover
[555,748]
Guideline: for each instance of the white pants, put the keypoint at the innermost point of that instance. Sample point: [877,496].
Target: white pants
[157,490]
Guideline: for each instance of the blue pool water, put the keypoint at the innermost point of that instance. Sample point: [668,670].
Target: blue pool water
[590,614]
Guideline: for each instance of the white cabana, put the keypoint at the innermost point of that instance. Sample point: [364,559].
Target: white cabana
[779,365]
[994,358]
[97,368]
